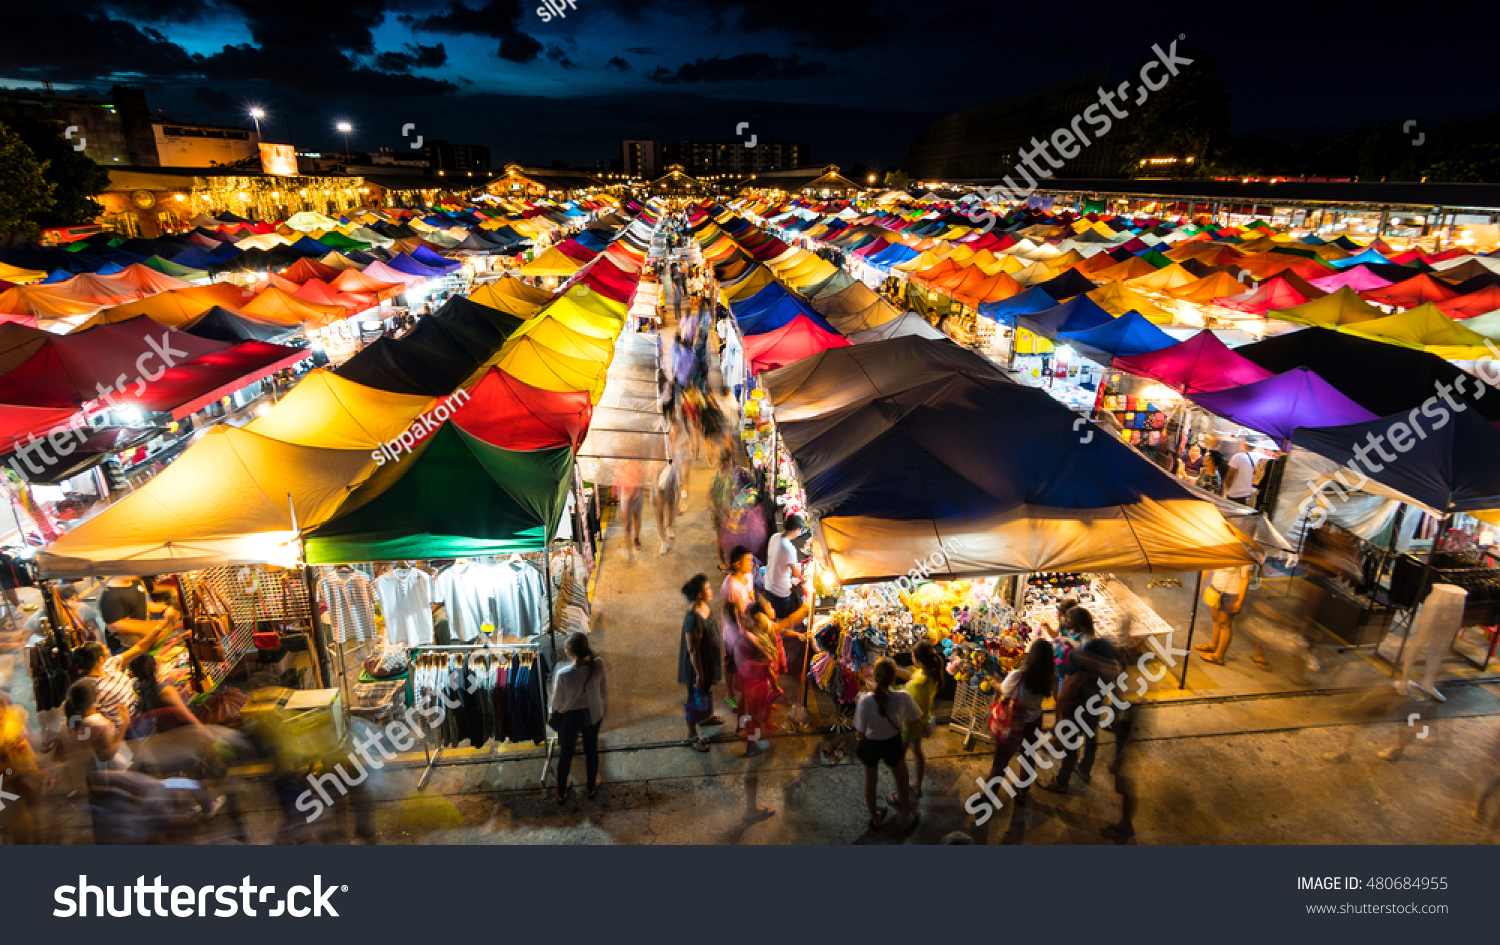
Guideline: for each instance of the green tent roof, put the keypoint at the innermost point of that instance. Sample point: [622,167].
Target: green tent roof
[169,268]
[336,240]
[453,496]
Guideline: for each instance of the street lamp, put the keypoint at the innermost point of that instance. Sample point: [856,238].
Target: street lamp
[344,128]
[256,114]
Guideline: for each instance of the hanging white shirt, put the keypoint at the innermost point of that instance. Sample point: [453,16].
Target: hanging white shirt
[466,590]
[406,600]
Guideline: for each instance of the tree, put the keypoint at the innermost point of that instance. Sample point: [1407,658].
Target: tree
[897,179]
[1187,117]
[76,179]
[25,192]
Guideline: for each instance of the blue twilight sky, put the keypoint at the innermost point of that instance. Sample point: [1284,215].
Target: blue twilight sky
[858,79]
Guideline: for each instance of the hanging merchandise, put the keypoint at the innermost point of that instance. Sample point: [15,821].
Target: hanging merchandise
[406,602]
[350,598]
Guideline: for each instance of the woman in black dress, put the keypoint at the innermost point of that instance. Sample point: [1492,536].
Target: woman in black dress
[698,659]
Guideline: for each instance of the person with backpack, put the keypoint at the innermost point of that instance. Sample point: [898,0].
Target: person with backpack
[1017,714]
[879,717]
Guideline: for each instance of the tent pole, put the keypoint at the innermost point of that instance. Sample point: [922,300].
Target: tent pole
[551,609]
[1192,624]
[318,643]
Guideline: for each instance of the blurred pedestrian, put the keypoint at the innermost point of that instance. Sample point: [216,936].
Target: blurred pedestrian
[579,698]
[880,717]
[1090,660]
[1211,478]
[736,595]
[698,658]
[630,493]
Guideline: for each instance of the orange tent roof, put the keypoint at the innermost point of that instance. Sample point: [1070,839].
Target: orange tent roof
[283,308]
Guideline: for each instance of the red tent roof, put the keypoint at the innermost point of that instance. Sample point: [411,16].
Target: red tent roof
[305,269]
[506,413]
[1486,299]
[200,382]
[797,339]
[1271,294]
[1412,292]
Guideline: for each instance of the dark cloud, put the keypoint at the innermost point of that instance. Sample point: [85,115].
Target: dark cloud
[288,25]
[95,45]
[217,99]
[147,11]
[496,19]
[642,50]
[415,56]
[618,64]
[746,67]
[337,73]
[559,55]
[519,47]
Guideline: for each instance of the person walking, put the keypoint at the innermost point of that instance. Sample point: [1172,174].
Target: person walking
[698,658]
[923,688]
[630,492]
[736,596]
[879,717]
[579,697]
[1225,596]
[783,569]
[1026,688]
[1090,660]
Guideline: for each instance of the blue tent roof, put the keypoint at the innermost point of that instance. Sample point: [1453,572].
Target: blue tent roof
[1077,314]
[406,264]
[1121,337]
[778,315]
[427,257]
[1366,256]
[892,255]
[761,300]
[1026,303]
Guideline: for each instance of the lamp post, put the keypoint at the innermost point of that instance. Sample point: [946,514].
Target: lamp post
[344,128]
[256,114]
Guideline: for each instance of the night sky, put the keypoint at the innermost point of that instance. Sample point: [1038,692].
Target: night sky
[859,80]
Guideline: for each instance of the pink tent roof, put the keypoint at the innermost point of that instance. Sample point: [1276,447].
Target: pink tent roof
[1359,278]
[1201,363]
[379,270]
[1271,294]
[797,339]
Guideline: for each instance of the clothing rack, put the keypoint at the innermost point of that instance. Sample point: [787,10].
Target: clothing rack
[434,756]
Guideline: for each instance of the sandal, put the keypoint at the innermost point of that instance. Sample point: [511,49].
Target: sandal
[878,820]
[594,790]
[1261,662]
[1210,659]
[699,744]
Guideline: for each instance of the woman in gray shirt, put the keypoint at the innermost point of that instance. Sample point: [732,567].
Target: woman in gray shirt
[578,699]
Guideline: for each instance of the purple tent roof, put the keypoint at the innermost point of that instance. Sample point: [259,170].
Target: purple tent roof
[1198,365]
[1280,404]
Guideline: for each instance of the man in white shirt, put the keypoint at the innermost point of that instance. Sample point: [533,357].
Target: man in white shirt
[782,566]
[1239,484]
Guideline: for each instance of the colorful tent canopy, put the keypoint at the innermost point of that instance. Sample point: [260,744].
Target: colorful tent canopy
[1278,405]
[454,496]
[909,324]
[233,498]
[1414,291]
[1447,461]
[940,465]
[1201,363]
[331,412]
[1080,313]
[1383,378]
[504,412]
[793,341]
[1340,307]
[537,365]
[855,309]
[1117,299]
[1425,327]
[1129,334]
[511,295]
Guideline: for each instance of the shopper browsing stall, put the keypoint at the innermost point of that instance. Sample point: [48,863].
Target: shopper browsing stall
[878,718]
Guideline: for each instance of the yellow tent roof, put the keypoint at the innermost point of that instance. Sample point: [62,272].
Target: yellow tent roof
[548,330]
[926,259]
[511,295]
[553,262]
[608,313]
[1425,327]
[809,273]
[177,306]
[1116,299]
[1340,307]
[582,312]
[755,280]
[790,260]
[228,500]
[18,276]
[1033,274]
[1132,268]
[856,308]
[327,411]
[1163,279]
[531,362]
